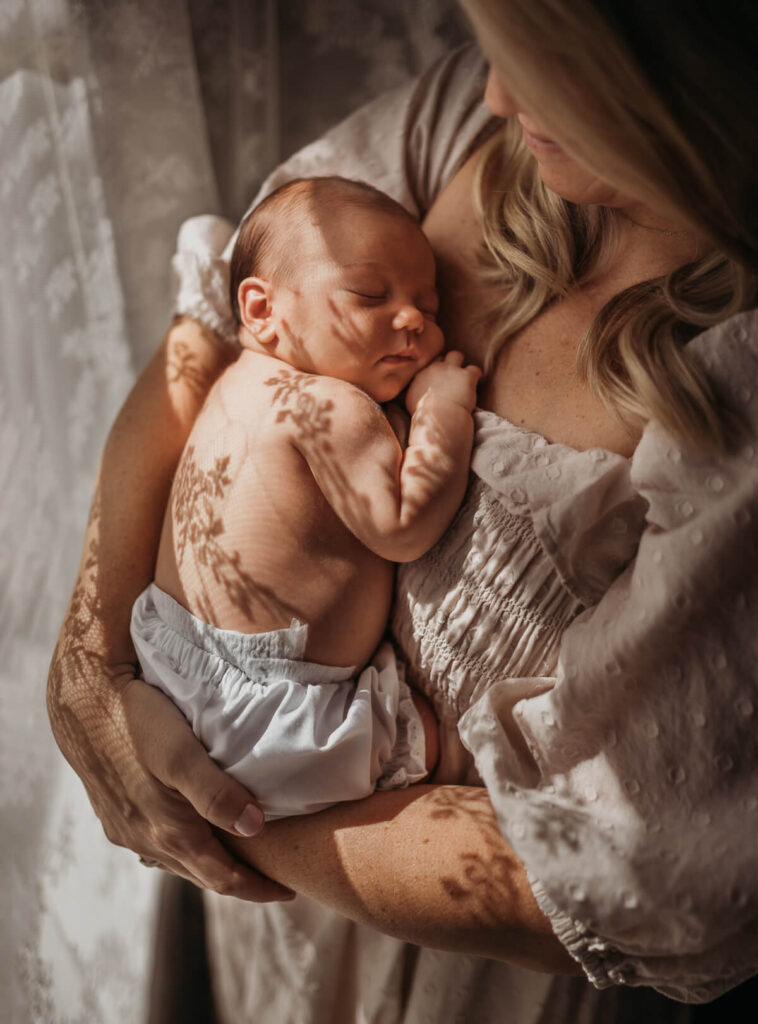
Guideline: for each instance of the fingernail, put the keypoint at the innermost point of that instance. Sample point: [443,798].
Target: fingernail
[250,822]
[287,896]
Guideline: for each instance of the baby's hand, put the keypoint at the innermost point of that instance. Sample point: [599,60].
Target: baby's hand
[447,377]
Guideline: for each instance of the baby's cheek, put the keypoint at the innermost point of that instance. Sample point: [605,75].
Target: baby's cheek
[434,340]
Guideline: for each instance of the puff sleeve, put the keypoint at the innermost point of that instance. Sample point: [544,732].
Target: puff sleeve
[630,791]
[408,142]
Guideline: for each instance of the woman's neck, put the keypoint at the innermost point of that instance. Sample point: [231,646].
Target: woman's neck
[640,253]
[660,244]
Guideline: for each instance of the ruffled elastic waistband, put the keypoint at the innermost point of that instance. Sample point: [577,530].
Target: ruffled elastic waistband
[155,610]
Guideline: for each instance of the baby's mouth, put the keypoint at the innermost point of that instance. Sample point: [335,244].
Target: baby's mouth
[408,355]
[398,360]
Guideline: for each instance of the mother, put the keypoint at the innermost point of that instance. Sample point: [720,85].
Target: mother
[584,628]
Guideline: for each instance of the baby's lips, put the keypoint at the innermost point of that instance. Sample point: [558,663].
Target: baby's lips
[409,353]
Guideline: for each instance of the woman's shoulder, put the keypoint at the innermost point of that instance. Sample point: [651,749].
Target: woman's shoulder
[729,354]
[407,142]
[595,512]
[669,473]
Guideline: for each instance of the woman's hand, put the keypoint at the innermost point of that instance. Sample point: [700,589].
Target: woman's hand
[151,783]
[183,792]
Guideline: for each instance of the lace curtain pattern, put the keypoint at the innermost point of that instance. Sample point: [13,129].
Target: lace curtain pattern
[119,119]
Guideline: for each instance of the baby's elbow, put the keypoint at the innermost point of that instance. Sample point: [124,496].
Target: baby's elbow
[403,545]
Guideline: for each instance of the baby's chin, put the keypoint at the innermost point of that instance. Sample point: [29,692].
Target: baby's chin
[387,393]
[392,386]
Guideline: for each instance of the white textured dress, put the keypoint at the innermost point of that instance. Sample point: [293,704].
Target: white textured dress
[588,632]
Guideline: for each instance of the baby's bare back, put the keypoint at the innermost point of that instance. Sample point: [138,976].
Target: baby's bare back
[249,542]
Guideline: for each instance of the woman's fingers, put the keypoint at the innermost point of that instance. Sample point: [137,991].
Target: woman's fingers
[188,793]
[213,867]
[214,794]
[219,871]
[203,860]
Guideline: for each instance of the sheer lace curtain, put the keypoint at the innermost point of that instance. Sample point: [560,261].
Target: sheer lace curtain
[119,119]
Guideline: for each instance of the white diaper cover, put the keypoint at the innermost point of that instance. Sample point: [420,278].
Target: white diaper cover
[299,736]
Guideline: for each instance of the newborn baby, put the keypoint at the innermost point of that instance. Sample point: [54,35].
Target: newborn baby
[293,498]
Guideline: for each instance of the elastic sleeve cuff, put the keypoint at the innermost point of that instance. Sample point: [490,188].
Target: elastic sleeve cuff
[590,952]
[201,275]
[606,966]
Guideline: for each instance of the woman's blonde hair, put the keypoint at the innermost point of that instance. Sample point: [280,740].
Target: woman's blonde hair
[659,100]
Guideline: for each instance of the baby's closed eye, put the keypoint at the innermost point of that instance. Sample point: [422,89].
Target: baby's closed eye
[368,296]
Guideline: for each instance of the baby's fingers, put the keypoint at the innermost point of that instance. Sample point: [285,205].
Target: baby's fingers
[453,357]
[456,358]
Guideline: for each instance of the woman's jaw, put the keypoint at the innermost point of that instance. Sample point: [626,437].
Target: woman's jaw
[558,170]
[565,175]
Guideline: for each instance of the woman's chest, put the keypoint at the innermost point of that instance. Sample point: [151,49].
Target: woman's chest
[534,381]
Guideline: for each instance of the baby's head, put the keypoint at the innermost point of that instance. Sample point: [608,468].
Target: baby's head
[336,278]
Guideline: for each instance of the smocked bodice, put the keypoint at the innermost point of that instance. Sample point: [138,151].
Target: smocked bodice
[491,600]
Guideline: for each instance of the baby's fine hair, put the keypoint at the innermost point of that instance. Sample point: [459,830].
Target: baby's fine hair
[266,245]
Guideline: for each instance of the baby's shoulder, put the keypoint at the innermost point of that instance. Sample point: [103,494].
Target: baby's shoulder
[316,405]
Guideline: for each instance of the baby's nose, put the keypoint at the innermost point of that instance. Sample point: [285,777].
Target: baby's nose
[408,318]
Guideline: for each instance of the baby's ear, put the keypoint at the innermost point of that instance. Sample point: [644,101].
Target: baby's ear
[254,297]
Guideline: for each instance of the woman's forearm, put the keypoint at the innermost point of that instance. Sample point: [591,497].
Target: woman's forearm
[149,779]
[134,479]
[425,864]
[94,657]
[136,471]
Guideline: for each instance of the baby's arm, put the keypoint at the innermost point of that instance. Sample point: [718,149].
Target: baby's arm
[435,467]
[396,503]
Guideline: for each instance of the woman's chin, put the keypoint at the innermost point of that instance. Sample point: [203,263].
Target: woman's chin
[573,182]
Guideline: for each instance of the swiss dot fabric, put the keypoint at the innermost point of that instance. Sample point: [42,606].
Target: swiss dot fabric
[628,782]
